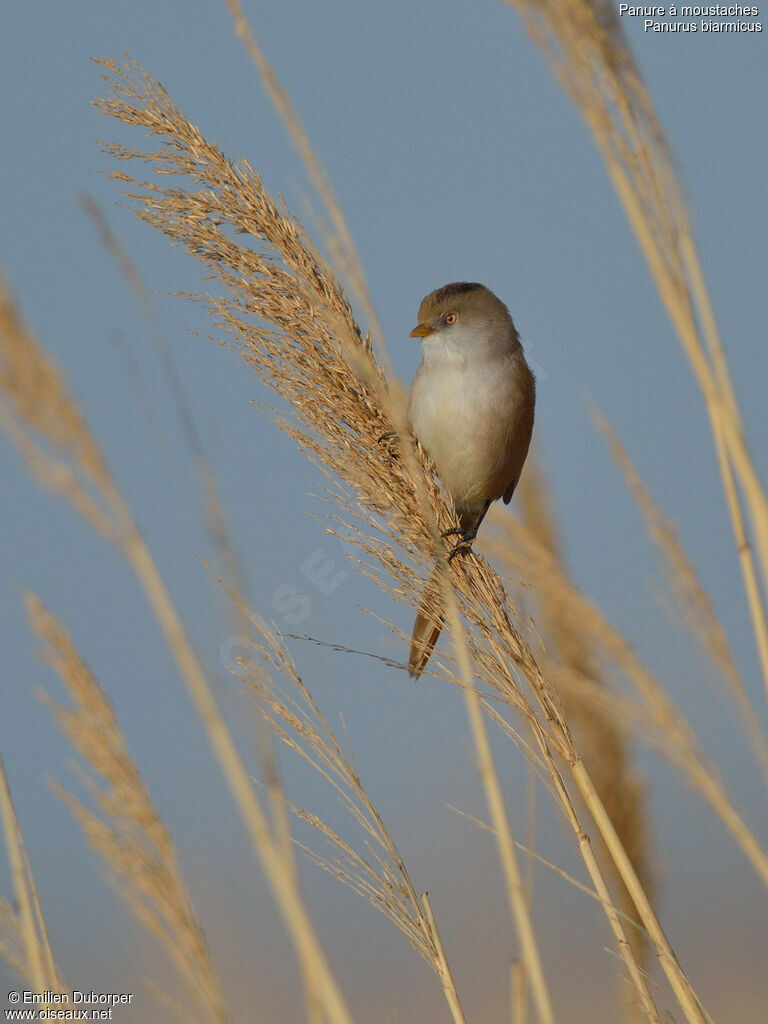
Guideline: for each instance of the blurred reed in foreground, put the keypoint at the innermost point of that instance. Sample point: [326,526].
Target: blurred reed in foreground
[44,420]
[128,833]
[586,47]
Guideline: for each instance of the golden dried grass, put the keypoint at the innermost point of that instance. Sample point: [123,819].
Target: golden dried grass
[284,312]
[25,945]
[372,866]
[311,351]
[568,650]
[691,598]
[647,707]
[48,426]
[586,47]
[127,832]
[289,320]
[61,452]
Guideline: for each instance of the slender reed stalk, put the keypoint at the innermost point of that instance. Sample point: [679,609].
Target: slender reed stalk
[378,873]
[129,834]
[602,741]
[12,947]
[442,963]
[658,721]
[494,797]
[692,599]
[48,427]
[518,994]
[564,800]
[280,874]
[284,312]
[683,990]
[342,247]
[30,933]
[585,45]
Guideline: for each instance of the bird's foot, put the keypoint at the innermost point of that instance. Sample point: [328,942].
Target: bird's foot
[388,436]
[455,531]
[463,546]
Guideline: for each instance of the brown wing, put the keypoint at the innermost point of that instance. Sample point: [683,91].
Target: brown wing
[524,428]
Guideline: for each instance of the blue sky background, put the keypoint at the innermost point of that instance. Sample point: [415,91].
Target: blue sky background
[455,155]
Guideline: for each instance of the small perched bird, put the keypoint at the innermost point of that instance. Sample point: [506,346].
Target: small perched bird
[471,406]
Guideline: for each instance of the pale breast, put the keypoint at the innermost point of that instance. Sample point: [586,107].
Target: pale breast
[474,417]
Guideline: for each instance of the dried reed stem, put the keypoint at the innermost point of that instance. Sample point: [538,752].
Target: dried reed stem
[663,725]
[130,835]
[518,994]
[38,958]
[692,599]
[280,874]
[379,874]
[598,880]
[585,44]
[444,970]
[686,997]
[51,432]
[342,247]
[602,742]
[489,777]
[284,311]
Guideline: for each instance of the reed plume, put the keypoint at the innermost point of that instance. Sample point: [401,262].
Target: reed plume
[127,832]
[587,50]
[646,707]
[693,601]
[41,416]
[602,740]
[372,866]
[283,311]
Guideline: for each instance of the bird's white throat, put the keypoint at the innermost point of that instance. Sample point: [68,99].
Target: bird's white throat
[458,344]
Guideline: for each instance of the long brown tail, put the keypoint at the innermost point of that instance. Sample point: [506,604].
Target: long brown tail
[427,627]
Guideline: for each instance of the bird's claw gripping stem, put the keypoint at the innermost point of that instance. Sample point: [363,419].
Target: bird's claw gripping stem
[464,545]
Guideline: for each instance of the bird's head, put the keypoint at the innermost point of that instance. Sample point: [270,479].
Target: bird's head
[463,315]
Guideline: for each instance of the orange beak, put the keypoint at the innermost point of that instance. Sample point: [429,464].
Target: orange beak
[421,331]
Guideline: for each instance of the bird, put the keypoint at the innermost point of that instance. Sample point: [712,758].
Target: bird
[471,407]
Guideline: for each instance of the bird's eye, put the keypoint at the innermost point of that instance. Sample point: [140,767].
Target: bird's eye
[450,318]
